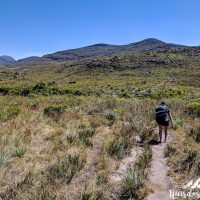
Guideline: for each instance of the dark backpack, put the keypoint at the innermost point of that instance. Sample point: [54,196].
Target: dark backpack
[162,112]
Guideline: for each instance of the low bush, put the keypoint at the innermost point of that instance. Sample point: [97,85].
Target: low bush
[193,109]
[54,111]
[9,113]
[110,116]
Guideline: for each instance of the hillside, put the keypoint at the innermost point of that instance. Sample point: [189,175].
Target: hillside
[99,50]
[6,60]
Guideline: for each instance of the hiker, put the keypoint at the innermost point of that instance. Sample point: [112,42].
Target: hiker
[163,118]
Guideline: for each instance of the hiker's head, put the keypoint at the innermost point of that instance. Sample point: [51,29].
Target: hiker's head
[162,103]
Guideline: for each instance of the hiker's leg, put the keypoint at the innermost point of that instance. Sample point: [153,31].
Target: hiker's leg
[160,132]
[166,128]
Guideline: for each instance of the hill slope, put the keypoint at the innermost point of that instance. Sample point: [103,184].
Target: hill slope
[5,60]
[99,50]
[107,49]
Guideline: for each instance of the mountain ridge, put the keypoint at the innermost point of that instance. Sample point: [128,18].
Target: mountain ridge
[4,59]
[101,49]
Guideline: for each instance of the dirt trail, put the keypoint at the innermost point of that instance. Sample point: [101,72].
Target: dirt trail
[159,180]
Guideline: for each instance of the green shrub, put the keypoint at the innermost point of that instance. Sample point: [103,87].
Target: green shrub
[110,116]
[21,91]
[4,91]
[40,87]
[78,93]
[168,93]
[125,94]
[25,91]
[193,109]
[9,113]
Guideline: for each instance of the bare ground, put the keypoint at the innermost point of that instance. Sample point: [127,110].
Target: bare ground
[159,181]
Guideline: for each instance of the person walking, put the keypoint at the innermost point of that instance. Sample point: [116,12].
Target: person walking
[163,118]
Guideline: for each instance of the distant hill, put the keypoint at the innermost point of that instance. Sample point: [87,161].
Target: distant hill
[99,50]
[6,60]
[107,50]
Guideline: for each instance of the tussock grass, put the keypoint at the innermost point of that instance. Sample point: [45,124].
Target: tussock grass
[19,152]
[117,147]
[65,169]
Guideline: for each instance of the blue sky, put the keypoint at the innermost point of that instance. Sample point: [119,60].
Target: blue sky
[37,27]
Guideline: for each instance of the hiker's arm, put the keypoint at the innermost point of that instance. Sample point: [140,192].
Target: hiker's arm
[170,117]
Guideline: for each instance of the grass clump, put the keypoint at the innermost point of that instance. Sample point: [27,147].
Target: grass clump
[101,179]
[19,152]
[195,133]
[189,160]
[85,136]
[111,117]
[66,169]
[134,181]
[71,138]
[26,182]
[3,159]
[117,147]
[193,109]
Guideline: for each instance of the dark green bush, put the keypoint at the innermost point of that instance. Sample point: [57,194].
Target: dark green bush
[40,87]
[125,94]
[110,116]
[54,111]
[4,91]
[193,109]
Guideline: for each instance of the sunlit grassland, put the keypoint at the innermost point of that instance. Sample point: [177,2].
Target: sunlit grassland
[62,127]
